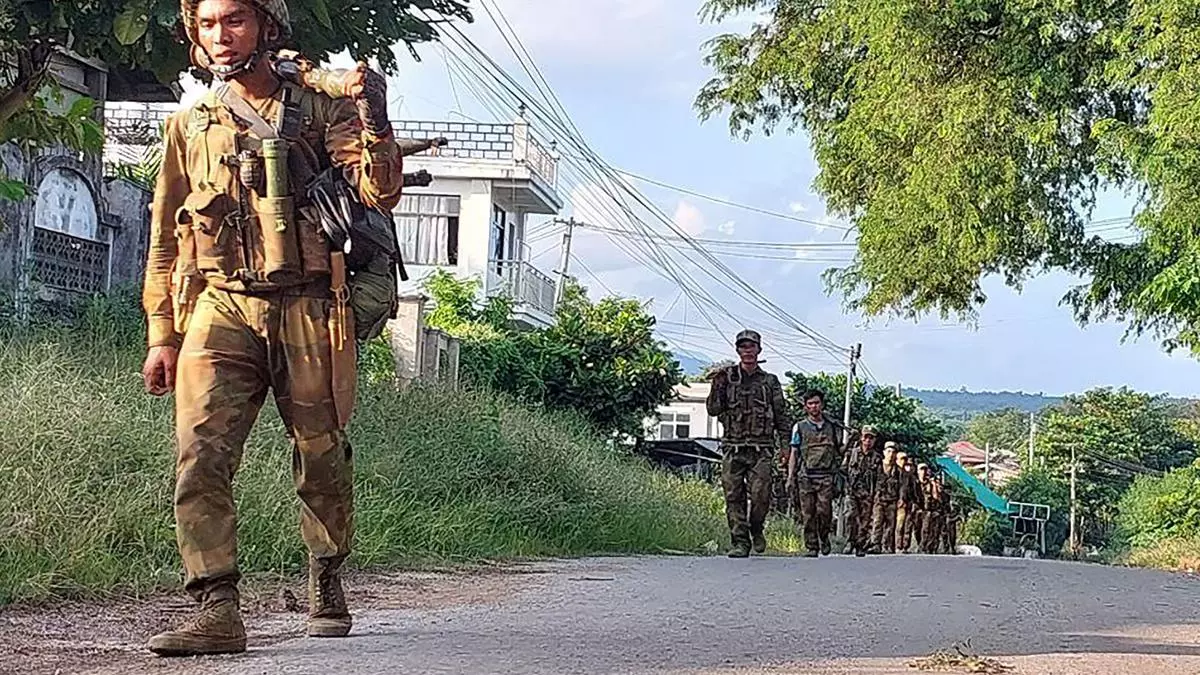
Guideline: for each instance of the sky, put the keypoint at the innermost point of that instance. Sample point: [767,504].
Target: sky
[627,73]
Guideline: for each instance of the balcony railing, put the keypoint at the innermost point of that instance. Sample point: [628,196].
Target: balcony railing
[525,284]
[476,140]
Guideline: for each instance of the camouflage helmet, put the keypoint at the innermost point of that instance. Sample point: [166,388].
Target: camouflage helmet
[276,10]
[748,336]
[870,430]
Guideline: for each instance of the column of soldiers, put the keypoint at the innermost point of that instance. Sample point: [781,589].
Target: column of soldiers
[894,504]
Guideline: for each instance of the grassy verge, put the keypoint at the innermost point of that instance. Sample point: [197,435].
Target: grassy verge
[1179,555]
[86,478]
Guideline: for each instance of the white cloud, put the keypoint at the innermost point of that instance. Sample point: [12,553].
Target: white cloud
[726,228]
[689,218]
[797,207]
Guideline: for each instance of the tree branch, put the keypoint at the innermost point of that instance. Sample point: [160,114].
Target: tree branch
[33,65]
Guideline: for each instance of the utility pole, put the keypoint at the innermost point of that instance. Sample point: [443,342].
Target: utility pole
[1074,515]
[898,394]
[987,464]
[855,355]
[1031,423]
[566,259]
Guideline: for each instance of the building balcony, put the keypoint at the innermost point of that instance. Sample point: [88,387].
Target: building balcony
[531,290]
[519,166]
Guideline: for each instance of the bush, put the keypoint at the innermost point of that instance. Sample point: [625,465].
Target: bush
[1154,510]
[86,477]
[986,530]
[1038,486]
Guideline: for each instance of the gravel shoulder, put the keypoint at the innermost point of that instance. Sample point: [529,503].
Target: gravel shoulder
[693,616]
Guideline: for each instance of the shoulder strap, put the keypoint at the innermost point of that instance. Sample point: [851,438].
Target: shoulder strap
[246,112]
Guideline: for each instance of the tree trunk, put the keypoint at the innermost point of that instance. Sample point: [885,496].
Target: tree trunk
[33,65]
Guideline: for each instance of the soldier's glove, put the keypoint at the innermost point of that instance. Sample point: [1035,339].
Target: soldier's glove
[371,101]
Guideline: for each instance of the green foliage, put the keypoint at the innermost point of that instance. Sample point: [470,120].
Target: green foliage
[969,139]
[86,474]
[1157,509]
[598,359]
[145,172]
[1038,486]
[1105,425]
[986,530]
[1006,429]
[899,419]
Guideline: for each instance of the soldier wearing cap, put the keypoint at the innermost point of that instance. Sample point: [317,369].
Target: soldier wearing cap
[923,514]
[862,467]
[244,295]
[907,521]
[887,492]
[749,403]
[813,466]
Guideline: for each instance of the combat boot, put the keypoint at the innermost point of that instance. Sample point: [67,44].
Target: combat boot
[825,547]
[327,612]
[759,542]
[739,550]
[216,629]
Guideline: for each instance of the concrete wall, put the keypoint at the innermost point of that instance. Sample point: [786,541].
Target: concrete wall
[128,219]
[421,353]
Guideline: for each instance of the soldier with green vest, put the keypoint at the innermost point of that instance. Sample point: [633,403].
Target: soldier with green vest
[749,403]
[862,467]
[813,466]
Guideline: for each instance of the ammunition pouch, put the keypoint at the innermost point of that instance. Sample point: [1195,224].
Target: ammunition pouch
[281,246]
[367,238]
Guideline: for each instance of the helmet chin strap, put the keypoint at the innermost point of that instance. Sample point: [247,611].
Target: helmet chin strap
[222,72]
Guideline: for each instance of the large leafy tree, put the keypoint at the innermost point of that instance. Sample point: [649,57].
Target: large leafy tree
[1114,434]
[1006,429]
[599,359]
[142,42]
[968,138]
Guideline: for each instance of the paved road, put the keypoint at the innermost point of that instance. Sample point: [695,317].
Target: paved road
[776,615]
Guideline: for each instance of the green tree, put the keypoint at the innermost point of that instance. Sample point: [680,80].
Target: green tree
[1039,486]
[1155,509]
[899,419]
[1111,432]
[598,358]
[966,139]
[1006,430]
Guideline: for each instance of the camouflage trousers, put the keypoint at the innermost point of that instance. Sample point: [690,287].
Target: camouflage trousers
[780,499]
[816,509]
[906,517]
[236,348]
[931,538]
[951,535]
[859,523]
[746,473]
[883,527]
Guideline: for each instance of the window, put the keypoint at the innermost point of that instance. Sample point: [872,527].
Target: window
[427,227]
[674,425]
[499,227]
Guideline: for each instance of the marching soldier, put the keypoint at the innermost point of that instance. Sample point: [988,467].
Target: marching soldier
[816,457]
[887,493]
[862,468]
[926,539]
[909,504]
[750,405]
[243,295]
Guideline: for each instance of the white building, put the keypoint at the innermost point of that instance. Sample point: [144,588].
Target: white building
[473,217]
[686,416]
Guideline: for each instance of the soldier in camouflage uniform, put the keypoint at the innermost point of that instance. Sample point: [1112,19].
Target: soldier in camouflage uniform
[780,500]
[812,469]
[928,512]
[909,505]
[887,493]
[749,403]
[244,295]
[862,468]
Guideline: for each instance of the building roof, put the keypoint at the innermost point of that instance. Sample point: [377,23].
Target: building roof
[965,452]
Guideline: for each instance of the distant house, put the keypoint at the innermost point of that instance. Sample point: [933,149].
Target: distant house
[686,416]
[999,468]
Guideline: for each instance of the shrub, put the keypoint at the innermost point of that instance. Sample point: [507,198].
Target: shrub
[1155,509]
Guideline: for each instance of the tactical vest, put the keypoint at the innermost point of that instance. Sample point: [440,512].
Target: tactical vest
[241,239]
[750,417]
[863,472]
[887,485]
[818,447]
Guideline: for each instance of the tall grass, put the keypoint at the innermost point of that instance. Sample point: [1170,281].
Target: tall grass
[86,477]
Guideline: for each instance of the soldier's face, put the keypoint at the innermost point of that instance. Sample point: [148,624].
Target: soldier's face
[868,442]
[814,406]
[228,30]
[889,455]
[748,352]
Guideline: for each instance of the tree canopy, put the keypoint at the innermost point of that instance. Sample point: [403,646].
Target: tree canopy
[599,359]
[1006,429]
[899,419]
[966,139]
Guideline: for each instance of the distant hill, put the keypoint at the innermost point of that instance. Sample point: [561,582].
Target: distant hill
[963,404]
